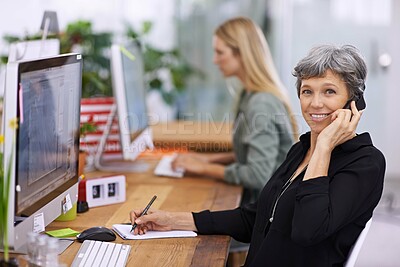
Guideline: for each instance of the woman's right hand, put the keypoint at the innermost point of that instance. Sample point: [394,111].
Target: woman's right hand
[154,220]
[158,220]
[342,128]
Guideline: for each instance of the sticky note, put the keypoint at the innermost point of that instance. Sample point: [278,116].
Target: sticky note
[66,232]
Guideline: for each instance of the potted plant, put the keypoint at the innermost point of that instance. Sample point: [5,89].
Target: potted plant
[5,181]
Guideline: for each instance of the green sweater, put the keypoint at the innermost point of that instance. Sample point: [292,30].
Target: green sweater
[262,135]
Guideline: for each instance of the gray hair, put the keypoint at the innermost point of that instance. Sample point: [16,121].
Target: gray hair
[345,61]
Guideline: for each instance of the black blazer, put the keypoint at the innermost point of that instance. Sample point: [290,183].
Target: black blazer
[315,221]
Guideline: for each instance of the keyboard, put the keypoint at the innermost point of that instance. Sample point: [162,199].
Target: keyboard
[164,168]
[97,253]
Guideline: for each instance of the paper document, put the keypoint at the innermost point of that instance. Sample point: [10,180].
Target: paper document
[124,231]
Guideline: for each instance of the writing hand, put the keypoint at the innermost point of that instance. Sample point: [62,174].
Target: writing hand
[154,220]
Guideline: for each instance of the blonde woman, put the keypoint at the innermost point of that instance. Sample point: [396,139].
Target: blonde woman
[264,127]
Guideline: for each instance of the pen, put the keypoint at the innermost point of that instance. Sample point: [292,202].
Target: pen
[144,212]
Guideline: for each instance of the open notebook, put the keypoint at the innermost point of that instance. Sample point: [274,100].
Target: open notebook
[124,231]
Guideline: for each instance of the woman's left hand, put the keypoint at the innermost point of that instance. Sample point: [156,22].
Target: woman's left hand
[191,165]
[342,128]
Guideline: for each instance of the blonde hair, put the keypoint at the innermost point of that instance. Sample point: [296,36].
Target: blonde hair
[247,41]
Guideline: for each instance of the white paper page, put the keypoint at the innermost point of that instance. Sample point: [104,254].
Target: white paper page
[124,231]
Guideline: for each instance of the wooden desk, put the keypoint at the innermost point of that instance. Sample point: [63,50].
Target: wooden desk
[193,136]
[187,194]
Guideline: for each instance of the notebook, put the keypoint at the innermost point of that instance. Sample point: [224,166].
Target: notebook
[124,231]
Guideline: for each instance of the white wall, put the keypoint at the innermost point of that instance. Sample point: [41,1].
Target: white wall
[391,105]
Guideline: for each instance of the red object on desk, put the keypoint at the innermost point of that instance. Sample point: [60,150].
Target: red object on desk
[82,190]
[82,205]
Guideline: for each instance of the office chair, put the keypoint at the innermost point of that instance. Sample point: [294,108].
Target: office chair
[355,250]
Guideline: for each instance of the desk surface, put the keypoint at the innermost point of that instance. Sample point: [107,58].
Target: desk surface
[187,194]
[193,135]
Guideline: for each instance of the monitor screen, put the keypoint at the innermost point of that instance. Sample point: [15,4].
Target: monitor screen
[44,95]
[46,140]
[130,96]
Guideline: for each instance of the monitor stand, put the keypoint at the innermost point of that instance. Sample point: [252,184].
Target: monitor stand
[115,165]
[63,244]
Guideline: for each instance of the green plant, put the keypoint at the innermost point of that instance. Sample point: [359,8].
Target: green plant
[87,127]
[157,61]
[5,181]
[79,37]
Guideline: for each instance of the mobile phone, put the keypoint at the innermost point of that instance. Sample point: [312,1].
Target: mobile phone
[360,102]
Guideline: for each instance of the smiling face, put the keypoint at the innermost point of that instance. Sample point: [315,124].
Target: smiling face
[320,97]
[229,63]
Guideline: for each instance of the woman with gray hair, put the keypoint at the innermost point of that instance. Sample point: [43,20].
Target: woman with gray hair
[316,204]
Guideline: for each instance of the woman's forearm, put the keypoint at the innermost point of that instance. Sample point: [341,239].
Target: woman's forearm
[222,158]
[182,221]
[214,170]
[319,163]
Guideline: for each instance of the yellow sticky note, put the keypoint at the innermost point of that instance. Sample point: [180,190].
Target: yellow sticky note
[66,232]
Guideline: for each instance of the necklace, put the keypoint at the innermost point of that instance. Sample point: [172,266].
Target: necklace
[284,188]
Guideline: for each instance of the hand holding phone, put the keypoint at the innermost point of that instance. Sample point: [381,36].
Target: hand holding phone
[342,127]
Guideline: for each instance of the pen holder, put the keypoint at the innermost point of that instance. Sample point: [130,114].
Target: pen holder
[82,206]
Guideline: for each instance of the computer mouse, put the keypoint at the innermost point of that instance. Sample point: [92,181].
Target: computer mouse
[97,233]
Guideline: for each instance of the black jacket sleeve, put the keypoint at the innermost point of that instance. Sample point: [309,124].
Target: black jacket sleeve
[325,204]
[237,223]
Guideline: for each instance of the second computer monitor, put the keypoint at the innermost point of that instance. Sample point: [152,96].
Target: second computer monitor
[130,97]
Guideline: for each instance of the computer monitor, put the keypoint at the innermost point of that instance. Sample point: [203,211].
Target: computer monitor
[127,74]
[44,95]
